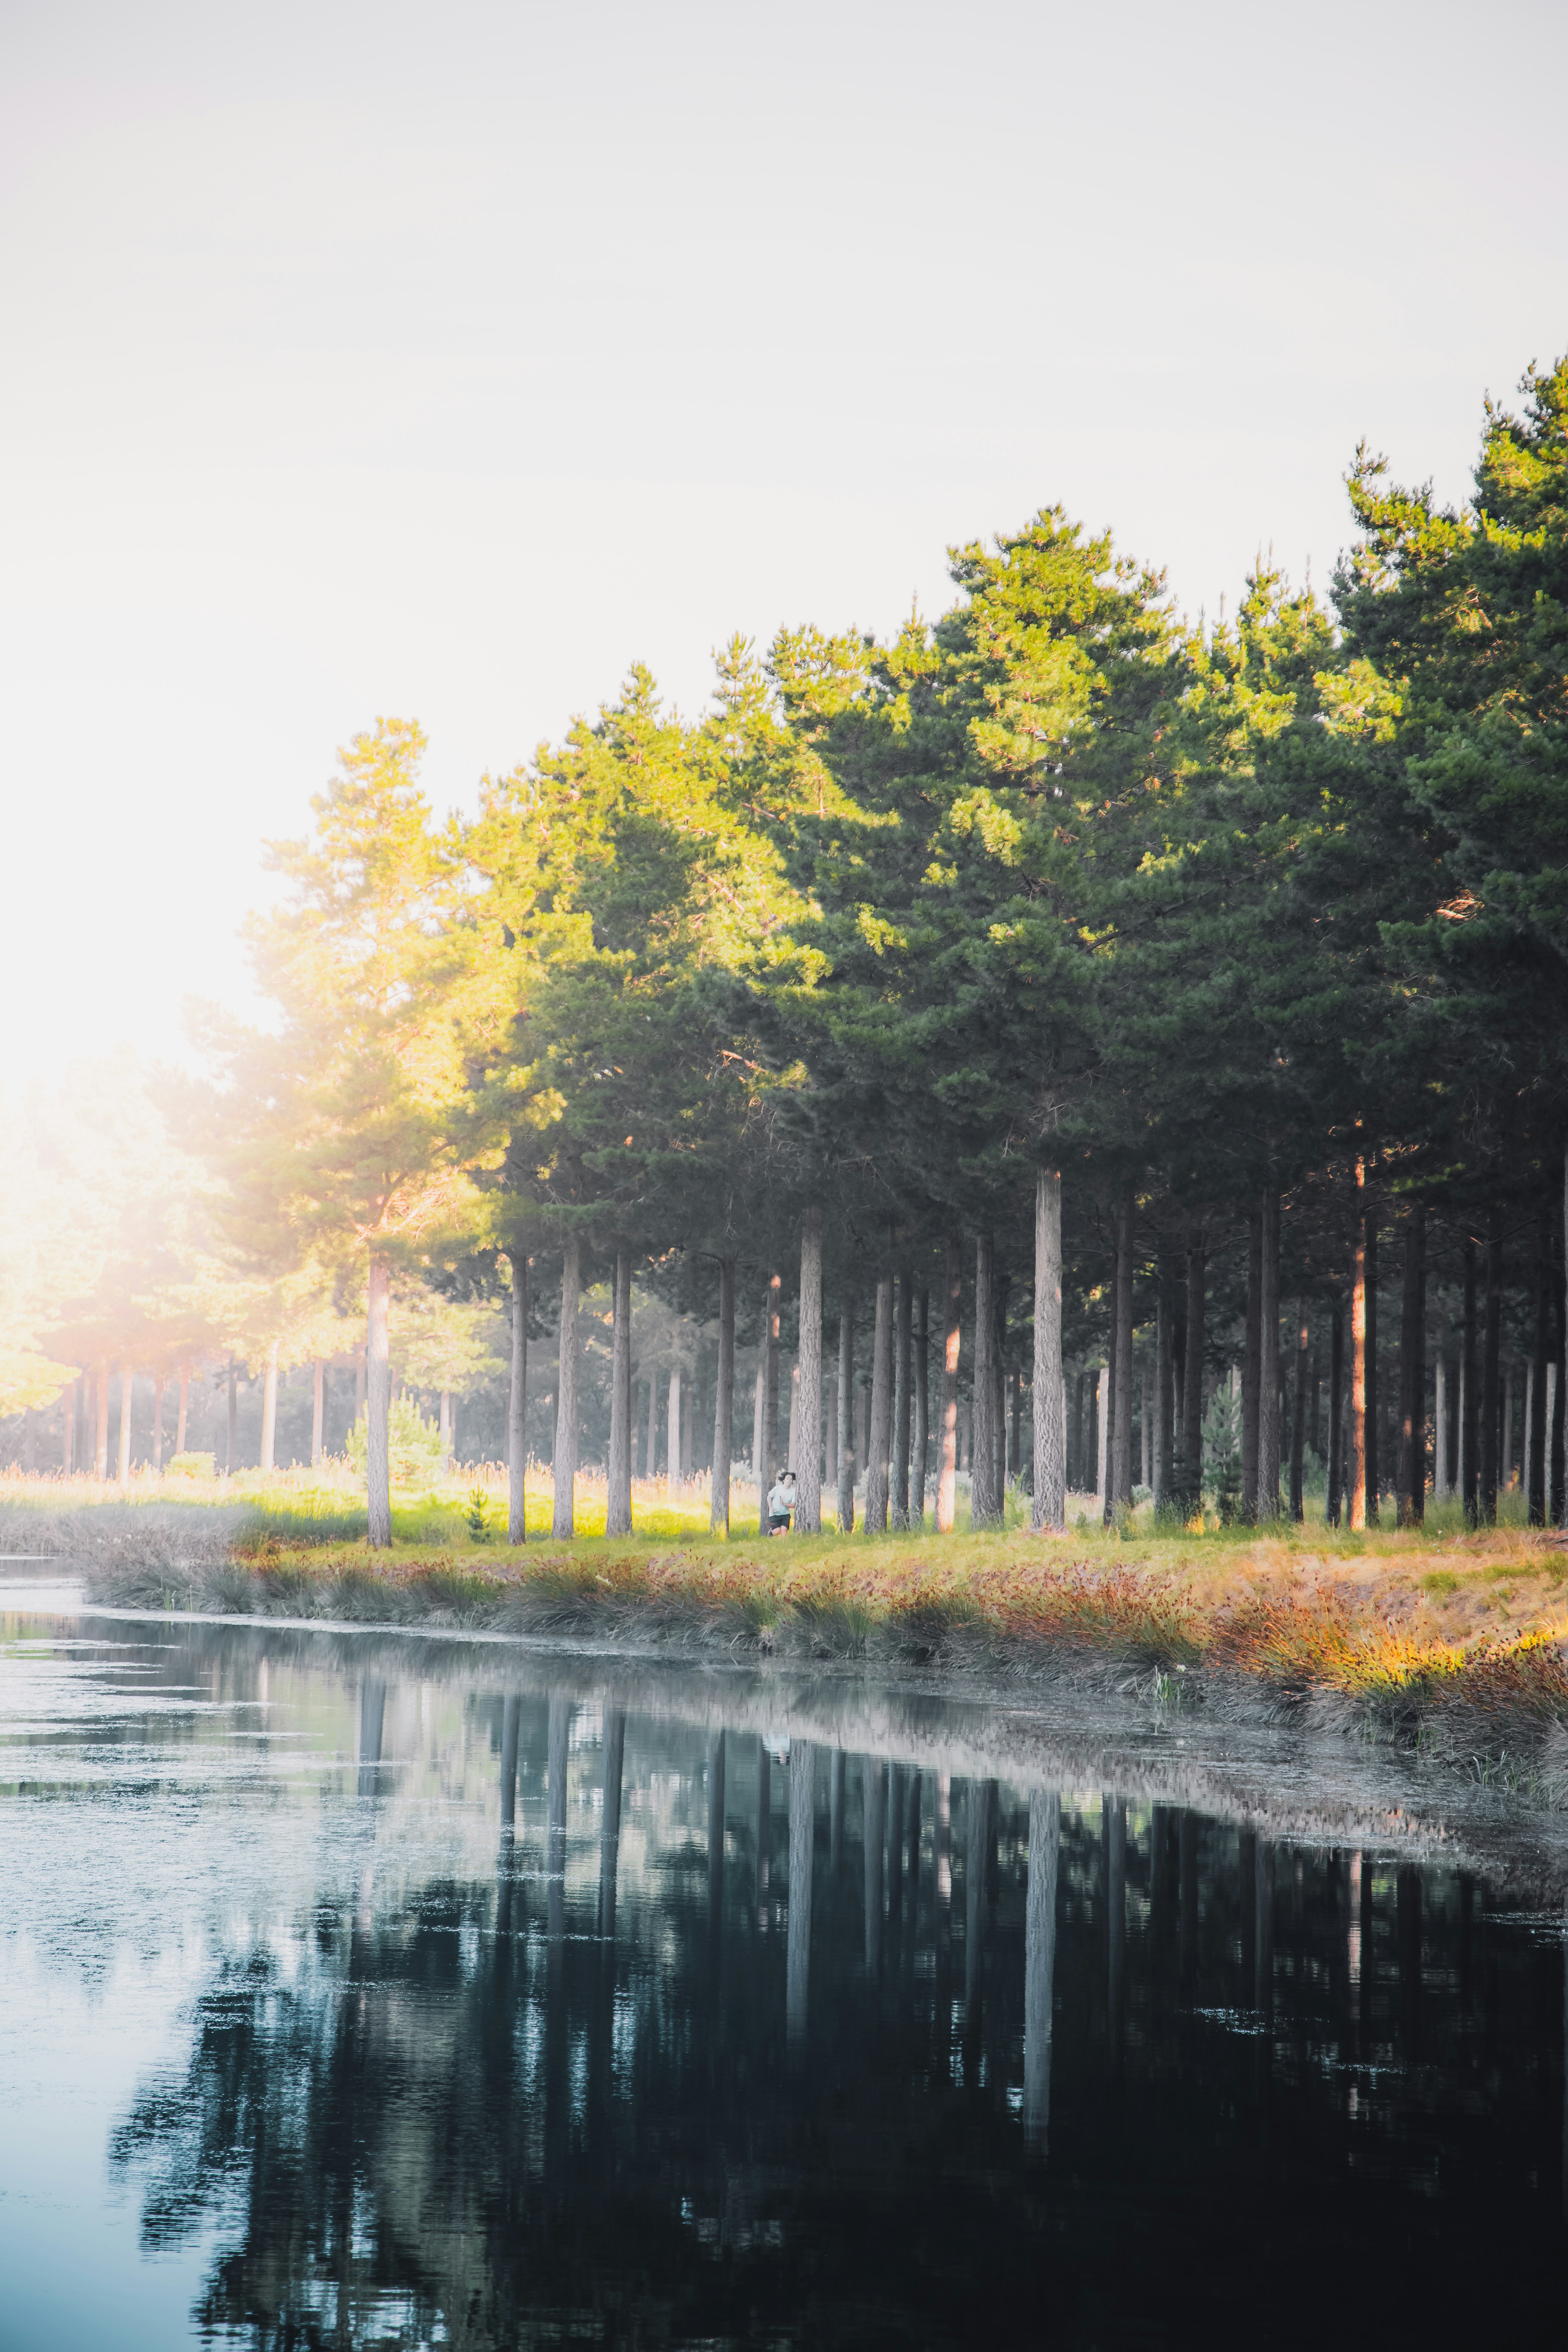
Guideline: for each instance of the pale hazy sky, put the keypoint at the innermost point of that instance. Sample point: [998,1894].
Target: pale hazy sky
[439,361]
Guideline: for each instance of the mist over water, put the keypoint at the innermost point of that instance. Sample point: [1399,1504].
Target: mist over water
[363,1993]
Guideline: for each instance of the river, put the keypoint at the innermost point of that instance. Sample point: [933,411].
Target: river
[379,1992]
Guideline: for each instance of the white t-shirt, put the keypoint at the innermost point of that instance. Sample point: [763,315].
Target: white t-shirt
[781,1499]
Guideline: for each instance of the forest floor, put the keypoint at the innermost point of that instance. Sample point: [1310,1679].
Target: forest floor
[1441,1635]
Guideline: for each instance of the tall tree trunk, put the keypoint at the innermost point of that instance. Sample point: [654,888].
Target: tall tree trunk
[1121,1496]
[651,1471]
[947,1474]
[563,1465]
[921,1434]
[1268,1360]
[1537,1491]
[1146,1419]
[1493,1341]
[724,1400]
[808,1453]
[378,1403]
[1333,1500]
[1160,1484]
[1374,1471]
[672,1437]
[269,1410]
[30,1437]
[1049,1394]
[1469,1394]
[318,1413]
[881,1432]
[1442,1463]
[999,1385]
[516,1404]
[1557,1498]
[1193,1377]
[1104,1414]
[1251,1361]
[232,1461]
[157,1423]
[846,1416]
[1299,1419]
[984,1507]
[899,1502]
[127,1398]
[1359,1415]
[1411,1467]
[618,1500]
[770,1464]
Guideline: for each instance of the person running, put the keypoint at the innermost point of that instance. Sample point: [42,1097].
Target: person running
[780,1503]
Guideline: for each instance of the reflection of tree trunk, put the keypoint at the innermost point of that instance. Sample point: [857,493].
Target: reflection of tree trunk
[947,1434]
[618,1503]
[1039,1964]
[976,1855]
[764,1833]
[555,1820]
[1263,1978]
[1187,1849]
[610,1821]
[808,1450]
[127,1398]
[871,1831]
[564,1464]
[802,1834]
[881,1433]
[912,1828]
[1116,1906]
[372,1714]
[725,1402]
[715,1852]
[835,1814]
[517,1403]
[269,1410]
[378,1404]
[511,1717]
[1408,1898]
[557,2045]
[1247,1858]
[898,1505]
[846,1416]
[895,1863]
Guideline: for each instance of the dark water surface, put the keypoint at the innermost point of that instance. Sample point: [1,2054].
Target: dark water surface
[354,1994]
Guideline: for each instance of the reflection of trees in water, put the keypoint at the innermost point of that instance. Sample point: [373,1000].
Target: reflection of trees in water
[561,2102]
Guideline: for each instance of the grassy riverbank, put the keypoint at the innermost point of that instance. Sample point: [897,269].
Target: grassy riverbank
[1437,1635]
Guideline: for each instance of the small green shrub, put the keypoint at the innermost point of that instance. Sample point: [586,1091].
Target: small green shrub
[476,1519]
[416,1453]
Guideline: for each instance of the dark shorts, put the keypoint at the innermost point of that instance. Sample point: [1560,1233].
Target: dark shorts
[778,1520]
